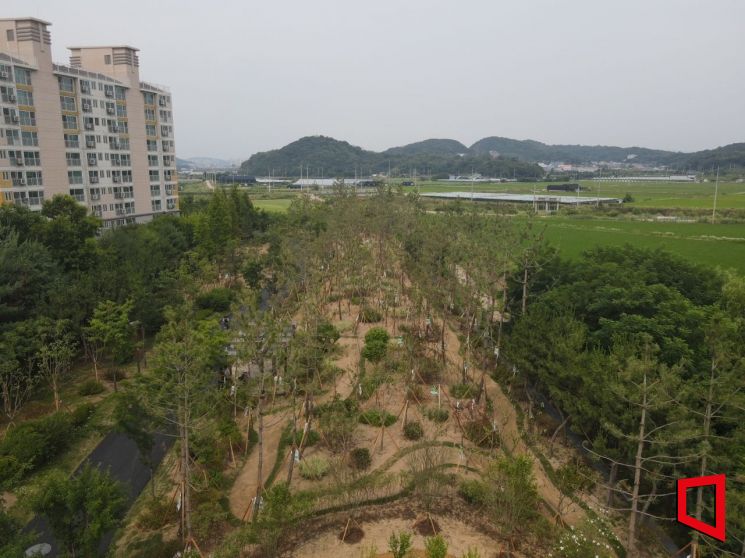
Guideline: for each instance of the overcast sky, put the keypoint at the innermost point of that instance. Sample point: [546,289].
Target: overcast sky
[250,75]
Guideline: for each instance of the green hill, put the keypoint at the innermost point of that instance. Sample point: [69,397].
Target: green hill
[333,158]
[530,150]
[429,146]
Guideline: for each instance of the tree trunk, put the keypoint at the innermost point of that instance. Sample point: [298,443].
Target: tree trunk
[55,389]
[525,288]
[631,546]
[612,484]
[705,456]
[556,432]
[259,481]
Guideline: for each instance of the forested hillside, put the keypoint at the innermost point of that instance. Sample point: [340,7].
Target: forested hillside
[492,156]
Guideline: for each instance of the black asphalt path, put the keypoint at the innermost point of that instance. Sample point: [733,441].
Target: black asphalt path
[118,455]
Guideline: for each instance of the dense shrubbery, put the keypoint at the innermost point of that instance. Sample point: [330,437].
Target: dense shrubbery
[437,415]
[413,430]
[360,458]
[369,315]
[35,443]
[90,387]
[376,344]
[218,299]
[313,468]
[482,433]
[374,417]
[464,391]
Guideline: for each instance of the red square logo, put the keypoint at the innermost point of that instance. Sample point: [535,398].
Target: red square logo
[718,481]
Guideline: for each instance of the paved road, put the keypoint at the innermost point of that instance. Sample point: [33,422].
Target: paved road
[119,455]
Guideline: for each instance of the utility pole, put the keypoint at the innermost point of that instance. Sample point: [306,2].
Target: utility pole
[716,191]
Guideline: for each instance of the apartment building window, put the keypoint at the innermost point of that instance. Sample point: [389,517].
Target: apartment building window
[90,141]
[155,190]
[10,116]
[28,118]
[66,84]
[150,130]
[30,139]
[85,86]
[88,123]
[8,95]
[67,103]
[69,122]
[169,189]
[154,176]
[171,203]
[113,142]
[152,160]
[156,205]
[22,75]
[121,111]
[25,98]
[33,178]
[120,93]
[126,160]
[116,177]
[165,115]
[149,114]
[31,158]
[93,177]
[165,131]
[72,141]
[13,137]
[123,127]
[149,97]
[78,194]
[74,177]
[152,145]
[168,175]
[4,71]
[126,176]
[110,108]
[115,160]
[17,178]
[167,146]
[124,144]
[108,90]
[73,159]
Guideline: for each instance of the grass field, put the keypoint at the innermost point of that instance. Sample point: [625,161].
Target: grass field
[718,245]
[273,205]
[650,194]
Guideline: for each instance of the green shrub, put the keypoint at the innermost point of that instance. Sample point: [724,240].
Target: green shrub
[377,334]
[429,370]
[112,374]
[207,519]
[311,438]
[82,414]
[437,415]
[413,430]
[327,335]
[464,391]
[217,300]
[90,387]
[481,433]
[435,547]
[35,443]
[374,417]
[154,547]
[360,458]
[471,553]
[156,515]
[399,544]
[472,491]
[376,344]
[369,315]
[313,468]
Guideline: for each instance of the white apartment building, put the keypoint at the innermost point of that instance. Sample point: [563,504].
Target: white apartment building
[91,129]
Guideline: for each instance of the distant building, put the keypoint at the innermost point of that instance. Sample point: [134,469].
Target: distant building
[331,182]
[92,129]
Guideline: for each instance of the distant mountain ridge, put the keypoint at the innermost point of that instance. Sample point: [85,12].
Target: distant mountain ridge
[492,156]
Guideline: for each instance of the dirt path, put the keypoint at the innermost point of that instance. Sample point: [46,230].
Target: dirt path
[506,418]
[244,487]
